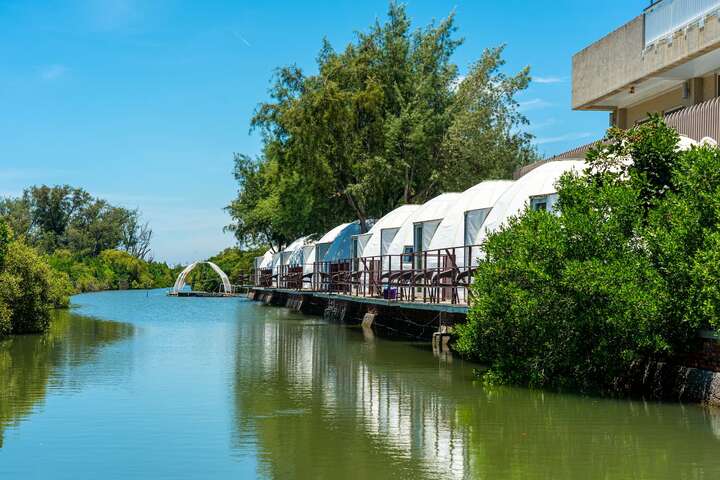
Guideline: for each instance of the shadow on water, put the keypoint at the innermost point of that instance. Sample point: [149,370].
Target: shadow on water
[337,403]
[30,365]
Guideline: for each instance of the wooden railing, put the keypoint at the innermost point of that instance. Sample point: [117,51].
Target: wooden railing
[432,276]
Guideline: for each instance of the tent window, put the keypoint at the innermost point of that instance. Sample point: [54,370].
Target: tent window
[407,254]
[418,238]
[544,202]
[474,220]
[429,229]
[322,250]
[387,235]
[539,203]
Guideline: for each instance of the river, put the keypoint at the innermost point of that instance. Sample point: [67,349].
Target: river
[140,385]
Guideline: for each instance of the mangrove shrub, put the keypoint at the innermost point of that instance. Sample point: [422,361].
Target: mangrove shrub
[625,271]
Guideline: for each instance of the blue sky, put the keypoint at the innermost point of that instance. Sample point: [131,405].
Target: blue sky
[144,102]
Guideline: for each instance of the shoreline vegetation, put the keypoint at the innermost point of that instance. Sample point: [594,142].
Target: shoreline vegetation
[624,273]
[58,241]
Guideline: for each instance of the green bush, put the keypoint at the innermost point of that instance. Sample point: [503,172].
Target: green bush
[627,272]
[25,289]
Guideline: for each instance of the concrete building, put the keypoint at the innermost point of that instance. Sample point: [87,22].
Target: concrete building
[666,60]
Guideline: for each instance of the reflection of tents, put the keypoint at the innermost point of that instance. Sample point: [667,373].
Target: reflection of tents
[462,224]
[536,190]
[418,230]
[377,241]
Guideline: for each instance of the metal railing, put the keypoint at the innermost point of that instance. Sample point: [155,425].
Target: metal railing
[664,18]
[431,276]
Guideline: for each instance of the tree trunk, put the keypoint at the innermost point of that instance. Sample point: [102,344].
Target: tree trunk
[359,213]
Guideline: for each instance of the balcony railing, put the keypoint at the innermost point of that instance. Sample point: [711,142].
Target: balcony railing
[664,18]
[432,276]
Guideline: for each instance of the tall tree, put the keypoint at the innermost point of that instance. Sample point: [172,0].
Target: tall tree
[382,123]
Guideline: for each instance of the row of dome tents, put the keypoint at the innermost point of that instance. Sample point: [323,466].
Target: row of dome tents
[452,222]
[448,228]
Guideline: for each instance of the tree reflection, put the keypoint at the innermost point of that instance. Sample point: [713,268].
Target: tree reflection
[31,364]
[322,401]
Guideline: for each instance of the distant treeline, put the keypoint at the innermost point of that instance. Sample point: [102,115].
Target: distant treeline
[388,120]
[56,241]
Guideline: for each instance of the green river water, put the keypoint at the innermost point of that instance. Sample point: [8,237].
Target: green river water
[141,385]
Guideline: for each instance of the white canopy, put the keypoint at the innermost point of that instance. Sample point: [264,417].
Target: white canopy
[429,216]
[464,221]
[290,251]
[308,257]
[462,225]
[536,184]
[265,261]
[378,239]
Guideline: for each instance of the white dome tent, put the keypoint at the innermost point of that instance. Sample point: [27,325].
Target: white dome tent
[377,241]
[290,253]
[264,261]
[418,230]
[536,190]
[462,225]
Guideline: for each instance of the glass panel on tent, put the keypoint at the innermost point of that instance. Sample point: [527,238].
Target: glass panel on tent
[539,203]
[321,249]
[474,220]
[417,242]
[362,243]
[429,229]
[355,252]
[387,235]
[544,202]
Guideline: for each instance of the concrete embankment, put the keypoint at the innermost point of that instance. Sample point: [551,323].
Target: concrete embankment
[412,320]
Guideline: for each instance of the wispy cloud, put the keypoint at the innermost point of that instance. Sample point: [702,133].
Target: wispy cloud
[549,79]
[239,36]
[534,104]
[52,72]
[539,125]
[563,138]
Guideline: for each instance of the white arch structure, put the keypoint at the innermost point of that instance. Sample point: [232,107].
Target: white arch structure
[180,282]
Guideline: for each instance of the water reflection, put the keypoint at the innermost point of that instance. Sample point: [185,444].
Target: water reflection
[322,401]
[33,364]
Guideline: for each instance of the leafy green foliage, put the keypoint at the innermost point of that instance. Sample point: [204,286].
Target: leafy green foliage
[49,218]
[627,272]
[91,244]
[385,122]
[26,294]
[111,270]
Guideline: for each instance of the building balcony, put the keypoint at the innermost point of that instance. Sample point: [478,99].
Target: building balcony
[666,17]
[665,59]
